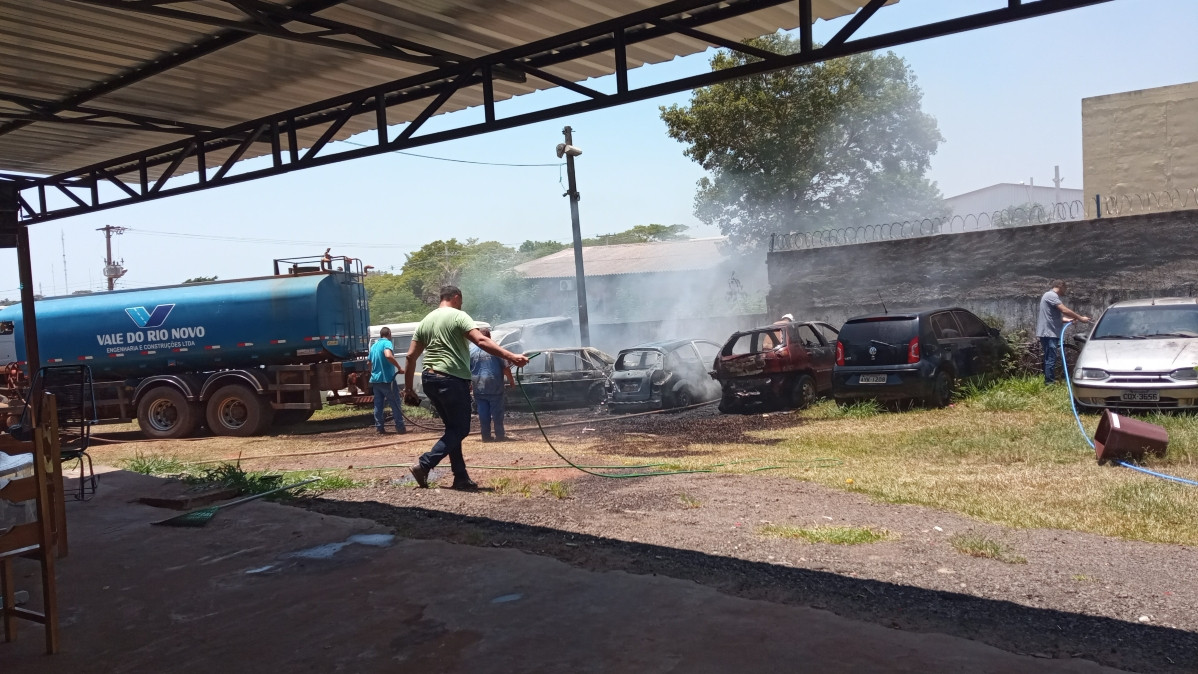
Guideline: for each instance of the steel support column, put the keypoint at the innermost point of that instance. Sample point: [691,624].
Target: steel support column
[9,223]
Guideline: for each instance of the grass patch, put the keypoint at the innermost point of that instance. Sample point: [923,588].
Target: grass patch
[558,489]
[862,409]
[1008,453]
[231,475]
[153,464]
[506,485]
[977,545]
[689,501]
[827,534]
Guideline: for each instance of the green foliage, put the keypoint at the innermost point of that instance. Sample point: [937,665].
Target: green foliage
[834,144]
[230,475]
[978,545]
[152,464]
[535,249]
[391,301]
[640,234]
[834,535]
[200,279]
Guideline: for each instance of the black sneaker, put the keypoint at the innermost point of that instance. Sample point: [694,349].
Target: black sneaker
[400,431]
[420,474]
[487,438]
[464,484]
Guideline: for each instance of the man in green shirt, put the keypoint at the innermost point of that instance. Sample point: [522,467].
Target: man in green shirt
[444,337]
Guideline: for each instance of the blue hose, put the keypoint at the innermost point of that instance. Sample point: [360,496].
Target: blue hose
[1077,417]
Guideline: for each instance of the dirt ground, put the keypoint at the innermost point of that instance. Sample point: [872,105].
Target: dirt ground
[1120,603]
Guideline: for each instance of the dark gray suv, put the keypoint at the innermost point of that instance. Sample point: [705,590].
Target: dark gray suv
[917,355]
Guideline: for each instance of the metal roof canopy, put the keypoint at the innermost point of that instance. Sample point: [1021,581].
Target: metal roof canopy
[92,91]
[162,97]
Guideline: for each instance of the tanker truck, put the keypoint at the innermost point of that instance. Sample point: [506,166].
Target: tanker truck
[237,355]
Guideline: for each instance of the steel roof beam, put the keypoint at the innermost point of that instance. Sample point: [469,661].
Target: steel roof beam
[263,18]
[54,112]
[441,85]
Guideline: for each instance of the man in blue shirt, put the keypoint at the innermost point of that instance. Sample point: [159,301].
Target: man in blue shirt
[487,374]
[1049,321]
[383,368]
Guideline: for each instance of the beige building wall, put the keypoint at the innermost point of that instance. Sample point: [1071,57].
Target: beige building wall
[1141,143]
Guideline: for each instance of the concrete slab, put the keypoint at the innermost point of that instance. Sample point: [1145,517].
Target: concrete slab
[265,587]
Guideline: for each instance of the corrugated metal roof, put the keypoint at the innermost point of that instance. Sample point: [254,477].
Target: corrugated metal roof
[53,51]
[629,258]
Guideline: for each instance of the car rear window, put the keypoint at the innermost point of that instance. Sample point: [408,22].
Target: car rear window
[639,360]
[888,337]
[1148,322]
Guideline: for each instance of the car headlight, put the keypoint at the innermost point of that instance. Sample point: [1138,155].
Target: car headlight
[1185,374]
[1092,373]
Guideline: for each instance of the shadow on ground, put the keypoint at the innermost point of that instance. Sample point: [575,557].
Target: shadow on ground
[1003,624]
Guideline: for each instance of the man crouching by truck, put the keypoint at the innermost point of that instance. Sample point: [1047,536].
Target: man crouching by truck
[444,337]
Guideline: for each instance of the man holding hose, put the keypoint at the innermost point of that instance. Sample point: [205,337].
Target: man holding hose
[444,337]
[1051,318]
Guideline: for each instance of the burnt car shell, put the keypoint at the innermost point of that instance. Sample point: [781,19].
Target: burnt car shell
[563,378]
[780,365]
[663,375]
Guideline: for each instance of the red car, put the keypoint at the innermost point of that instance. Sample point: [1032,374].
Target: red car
[780,365]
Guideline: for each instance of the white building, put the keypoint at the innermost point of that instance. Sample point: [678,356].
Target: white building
[1005,196]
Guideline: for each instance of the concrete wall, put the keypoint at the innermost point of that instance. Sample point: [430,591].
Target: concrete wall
[1139,142]
[996,273]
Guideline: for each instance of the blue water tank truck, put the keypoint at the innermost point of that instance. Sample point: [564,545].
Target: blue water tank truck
[237,355]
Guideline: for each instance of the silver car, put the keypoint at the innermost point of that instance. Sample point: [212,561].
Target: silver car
[1141,354]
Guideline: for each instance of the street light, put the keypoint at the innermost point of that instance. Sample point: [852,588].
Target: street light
[568,150]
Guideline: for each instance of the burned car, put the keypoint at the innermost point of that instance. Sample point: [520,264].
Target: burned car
[663,375]
[785,365]
[1141,354]
[562,378]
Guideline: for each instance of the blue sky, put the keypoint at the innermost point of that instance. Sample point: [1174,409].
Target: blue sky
[1007,99]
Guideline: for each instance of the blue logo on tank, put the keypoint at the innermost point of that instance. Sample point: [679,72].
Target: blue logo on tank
[150,319]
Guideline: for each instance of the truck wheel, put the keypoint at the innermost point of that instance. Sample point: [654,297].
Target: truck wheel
[237,411]
[164,413]
[802,392]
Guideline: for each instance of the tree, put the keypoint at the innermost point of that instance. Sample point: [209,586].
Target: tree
[390,300]
[640,234]
[200,279]
[835,144]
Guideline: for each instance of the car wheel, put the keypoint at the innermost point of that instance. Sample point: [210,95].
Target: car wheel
[237,411]
[165,414]
[682,398]
[802,392]
[597,395]
[942,390]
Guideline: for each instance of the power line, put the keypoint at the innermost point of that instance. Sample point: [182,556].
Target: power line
[456,161]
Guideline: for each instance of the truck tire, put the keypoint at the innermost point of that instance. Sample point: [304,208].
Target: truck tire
[164,413]
[237,411]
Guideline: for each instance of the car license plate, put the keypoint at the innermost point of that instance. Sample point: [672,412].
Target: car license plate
[872,379]
[630,386]
[1141,396]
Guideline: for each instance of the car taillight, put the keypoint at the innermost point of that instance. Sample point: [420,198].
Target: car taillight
[913,350]
[839,352]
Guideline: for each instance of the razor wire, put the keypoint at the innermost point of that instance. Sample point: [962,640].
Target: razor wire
[1100,206]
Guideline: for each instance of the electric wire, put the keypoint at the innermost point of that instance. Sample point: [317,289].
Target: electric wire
[1082,429]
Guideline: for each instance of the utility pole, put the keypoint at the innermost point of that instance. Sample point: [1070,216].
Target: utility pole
[568,149]
[112,270]
[1056,180]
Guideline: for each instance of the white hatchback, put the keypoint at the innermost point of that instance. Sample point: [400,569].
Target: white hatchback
[1141,354]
